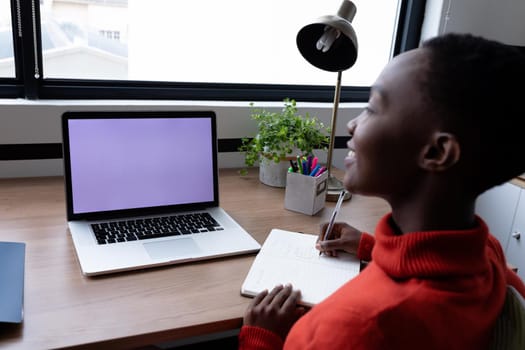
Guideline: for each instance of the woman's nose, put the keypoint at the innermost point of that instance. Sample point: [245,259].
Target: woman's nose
[352,124]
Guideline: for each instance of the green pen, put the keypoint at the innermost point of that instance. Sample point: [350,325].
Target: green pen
[299,164]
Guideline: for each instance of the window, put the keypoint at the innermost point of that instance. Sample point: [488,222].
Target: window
[7,61]
[232,49]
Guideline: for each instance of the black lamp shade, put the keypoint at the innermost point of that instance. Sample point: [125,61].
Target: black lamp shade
[342,54]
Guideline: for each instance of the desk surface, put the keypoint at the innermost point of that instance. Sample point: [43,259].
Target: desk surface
[63,308]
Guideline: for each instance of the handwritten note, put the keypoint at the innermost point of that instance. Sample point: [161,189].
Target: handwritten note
[291,257]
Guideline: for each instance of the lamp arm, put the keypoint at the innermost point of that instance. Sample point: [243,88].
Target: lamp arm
[337,95]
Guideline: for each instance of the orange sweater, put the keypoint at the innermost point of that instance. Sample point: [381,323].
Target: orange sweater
[423,290]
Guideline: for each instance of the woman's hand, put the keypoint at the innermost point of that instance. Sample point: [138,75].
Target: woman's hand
[275,311]
[343,237]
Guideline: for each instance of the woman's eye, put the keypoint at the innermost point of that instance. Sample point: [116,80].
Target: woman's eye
[369,110]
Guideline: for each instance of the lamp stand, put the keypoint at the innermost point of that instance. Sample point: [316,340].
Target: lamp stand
[334,185]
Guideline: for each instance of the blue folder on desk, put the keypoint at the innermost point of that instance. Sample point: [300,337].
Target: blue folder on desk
[12,262]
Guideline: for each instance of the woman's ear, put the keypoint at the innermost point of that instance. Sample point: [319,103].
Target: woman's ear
[440,153]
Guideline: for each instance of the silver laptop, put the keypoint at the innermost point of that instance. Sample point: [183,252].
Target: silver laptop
[142,190]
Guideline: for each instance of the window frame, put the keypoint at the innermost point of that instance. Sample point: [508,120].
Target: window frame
[26,85]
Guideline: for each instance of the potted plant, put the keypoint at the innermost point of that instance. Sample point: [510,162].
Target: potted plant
[282,136]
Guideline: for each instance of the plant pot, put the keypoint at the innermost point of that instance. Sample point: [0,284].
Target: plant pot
[272,173]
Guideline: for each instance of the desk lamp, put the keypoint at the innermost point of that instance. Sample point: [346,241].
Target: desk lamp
[330,44]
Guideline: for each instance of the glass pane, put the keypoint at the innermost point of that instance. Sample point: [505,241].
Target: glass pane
[7,62]
[229,41]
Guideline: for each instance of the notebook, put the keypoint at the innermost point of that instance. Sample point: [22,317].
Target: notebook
[12,262]
[291,257]
[142,190]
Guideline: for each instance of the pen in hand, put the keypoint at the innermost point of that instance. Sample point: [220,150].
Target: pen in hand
[330,226]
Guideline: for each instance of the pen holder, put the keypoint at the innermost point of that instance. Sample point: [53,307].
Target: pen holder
[305,194]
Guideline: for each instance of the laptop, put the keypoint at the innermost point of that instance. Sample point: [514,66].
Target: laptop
[142,190]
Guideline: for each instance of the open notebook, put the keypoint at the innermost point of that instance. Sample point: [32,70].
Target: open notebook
[291,257]
[142,190]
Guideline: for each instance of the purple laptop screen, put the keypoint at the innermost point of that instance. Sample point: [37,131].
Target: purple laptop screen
[136,163]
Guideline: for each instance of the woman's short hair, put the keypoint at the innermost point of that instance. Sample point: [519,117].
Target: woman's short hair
[477,87]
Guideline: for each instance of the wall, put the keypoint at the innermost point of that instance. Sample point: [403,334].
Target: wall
[500,20]
[39,122]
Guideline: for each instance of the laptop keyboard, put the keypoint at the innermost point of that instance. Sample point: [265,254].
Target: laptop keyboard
[138,229]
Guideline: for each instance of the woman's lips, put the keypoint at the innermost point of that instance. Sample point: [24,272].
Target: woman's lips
[350,157]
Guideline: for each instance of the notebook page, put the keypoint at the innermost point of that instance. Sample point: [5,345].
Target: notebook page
[291,257]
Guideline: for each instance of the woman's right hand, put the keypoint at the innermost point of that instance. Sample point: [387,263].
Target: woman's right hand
[276,311]
[343,237]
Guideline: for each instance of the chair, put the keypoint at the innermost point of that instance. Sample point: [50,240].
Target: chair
[509,331]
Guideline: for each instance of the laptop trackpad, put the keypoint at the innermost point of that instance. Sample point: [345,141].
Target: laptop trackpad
[183,247]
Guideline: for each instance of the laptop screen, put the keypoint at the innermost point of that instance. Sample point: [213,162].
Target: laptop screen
[121,161]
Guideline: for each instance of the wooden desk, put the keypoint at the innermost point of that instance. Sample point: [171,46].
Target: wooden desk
[64,308]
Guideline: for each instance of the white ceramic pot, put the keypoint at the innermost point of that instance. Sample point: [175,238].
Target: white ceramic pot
[273,174]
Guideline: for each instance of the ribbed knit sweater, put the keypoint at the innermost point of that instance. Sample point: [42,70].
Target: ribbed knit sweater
[422,290]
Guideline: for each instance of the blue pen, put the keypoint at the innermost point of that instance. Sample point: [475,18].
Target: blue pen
[314,170]
[305,167]
[309,168]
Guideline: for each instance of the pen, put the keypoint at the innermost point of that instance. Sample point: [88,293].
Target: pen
[328,231]
[320,171]
[294,166]
[314,162]
[315,170]
[299,164]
